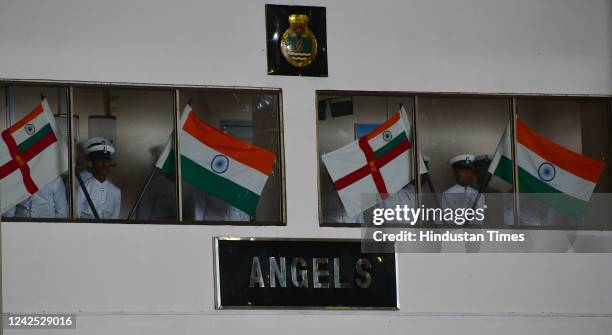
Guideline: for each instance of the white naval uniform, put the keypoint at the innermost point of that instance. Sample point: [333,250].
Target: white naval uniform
[105,196]
[536,213]
[49,202]
[405,196]
[458,196]
[206,208]
[159,200]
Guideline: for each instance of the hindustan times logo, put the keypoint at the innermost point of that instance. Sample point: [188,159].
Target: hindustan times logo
[405,215]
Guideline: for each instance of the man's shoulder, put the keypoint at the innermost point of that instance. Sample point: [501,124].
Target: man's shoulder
[85,175]
[112,187]
[453,189]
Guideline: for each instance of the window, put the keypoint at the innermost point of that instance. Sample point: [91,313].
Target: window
[582,126]
[137,123]
[34,124]
[247,182]
[122,153]
[342,119]
[450,125]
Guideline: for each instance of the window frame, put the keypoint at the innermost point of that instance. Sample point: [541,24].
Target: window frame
[176,90]
[513,100]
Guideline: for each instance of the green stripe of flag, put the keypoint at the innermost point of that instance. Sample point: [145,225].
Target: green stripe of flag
[549,195]
[389,146]
[168,166]
[504,169]
[214,184]
[25,145]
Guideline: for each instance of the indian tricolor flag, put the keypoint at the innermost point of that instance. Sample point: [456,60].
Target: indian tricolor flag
[376,164]
[223,166]
[561,178]
[30,156]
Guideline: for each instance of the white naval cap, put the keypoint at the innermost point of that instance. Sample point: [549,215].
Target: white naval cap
[98,144]
[463,160]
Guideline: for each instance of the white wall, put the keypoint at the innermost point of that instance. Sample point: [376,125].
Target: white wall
[126,279]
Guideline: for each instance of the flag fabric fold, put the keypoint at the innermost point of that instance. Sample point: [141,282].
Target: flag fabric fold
[377,163]
[31,156]
[223,166]
[563,179]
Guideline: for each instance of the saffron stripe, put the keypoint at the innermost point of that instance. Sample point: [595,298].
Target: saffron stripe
[577,164]
[383,126]
[37,111]
[242,151]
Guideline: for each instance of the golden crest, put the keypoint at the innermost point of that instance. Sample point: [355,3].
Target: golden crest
[298,43]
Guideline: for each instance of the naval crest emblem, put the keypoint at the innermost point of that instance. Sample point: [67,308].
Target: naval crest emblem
[298,43]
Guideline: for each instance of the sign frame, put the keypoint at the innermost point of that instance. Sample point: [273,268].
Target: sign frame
[216,273]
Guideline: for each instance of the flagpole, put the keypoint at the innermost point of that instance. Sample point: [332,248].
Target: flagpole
[489,176]
[72,153]
[417,154]
[481,187]
[417,160]
[142,192]
[515,180]
[177,156]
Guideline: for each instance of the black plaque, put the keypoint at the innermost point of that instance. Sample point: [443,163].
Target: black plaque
[317,274]
[277,23]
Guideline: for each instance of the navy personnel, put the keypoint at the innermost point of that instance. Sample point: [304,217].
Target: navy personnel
[406,195]
[497,201]
[159,199]
[105,196]
[480,166]
[207,208]
[462,195]
[49,202]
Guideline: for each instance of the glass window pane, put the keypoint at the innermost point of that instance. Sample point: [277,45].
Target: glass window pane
[121,134]
[36,142]
[231,156]
[555,183]
[342,119]
[450,127]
